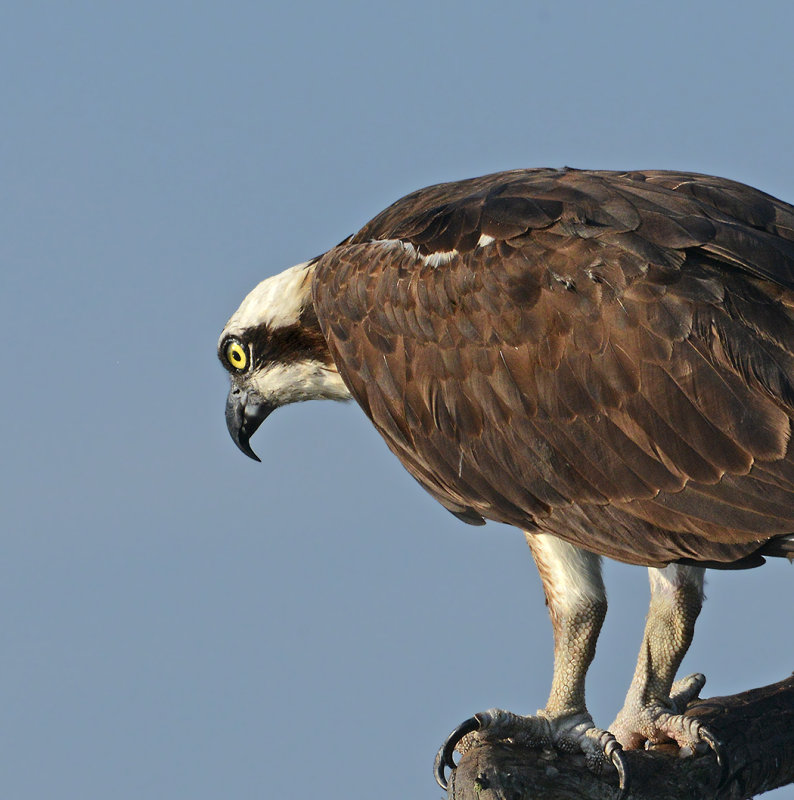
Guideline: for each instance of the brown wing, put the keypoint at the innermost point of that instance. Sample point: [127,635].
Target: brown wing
[614,367]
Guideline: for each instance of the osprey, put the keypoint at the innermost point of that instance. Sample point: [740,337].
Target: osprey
[604,360]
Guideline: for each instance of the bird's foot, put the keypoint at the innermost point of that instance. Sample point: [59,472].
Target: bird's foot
[568,733]
[646,724]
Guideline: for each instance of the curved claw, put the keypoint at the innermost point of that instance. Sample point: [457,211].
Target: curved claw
[612,750]
[615,755]
[717,747]
[444,757]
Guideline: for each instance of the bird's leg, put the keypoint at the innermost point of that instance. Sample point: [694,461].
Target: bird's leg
[577,604]
[652,712]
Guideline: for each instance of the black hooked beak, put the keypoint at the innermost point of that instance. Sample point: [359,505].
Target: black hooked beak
[243,417]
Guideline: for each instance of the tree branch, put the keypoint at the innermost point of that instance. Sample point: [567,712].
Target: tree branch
[755,727]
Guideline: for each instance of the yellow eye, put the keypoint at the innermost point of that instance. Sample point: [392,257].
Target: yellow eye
[236,355]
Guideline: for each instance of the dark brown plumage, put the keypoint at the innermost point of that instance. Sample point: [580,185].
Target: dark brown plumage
[602,359]
[615,367]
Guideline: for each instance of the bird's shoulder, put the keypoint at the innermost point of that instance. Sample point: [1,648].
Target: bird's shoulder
[651,214]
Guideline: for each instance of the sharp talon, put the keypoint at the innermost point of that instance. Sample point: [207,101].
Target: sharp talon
[439,772]
[439,769]
[717,747]
[615,755]
[444,757]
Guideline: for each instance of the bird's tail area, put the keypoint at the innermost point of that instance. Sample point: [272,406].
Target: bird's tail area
[780,547]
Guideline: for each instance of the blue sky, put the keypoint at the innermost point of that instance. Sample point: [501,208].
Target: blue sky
[177,621]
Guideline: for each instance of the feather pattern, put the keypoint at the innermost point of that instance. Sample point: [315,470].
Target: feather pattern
[608,357]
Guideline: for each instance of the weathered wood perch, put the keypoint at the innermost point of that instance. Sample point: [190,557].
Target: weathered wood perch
[756,727]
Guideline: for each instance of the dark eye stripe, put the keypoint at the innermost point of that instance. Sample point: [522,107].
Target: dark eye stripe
[299,342]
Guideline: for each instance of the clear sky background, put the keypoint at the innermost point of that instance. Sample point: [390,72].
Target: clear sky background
[177,621]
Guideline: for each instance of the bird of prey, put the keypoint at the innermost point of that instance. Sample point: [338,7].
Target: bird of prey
[604,360]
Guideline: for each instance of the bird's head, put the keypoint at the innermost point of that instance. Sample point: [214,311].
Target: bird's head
[275,353]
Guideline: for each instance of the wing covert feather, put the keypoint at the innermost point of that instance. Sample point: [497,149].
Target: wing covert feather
[605,356]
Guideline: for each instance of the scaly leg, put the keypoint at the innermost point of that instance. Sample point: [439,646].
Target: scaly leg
[653,708]
[577,604]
